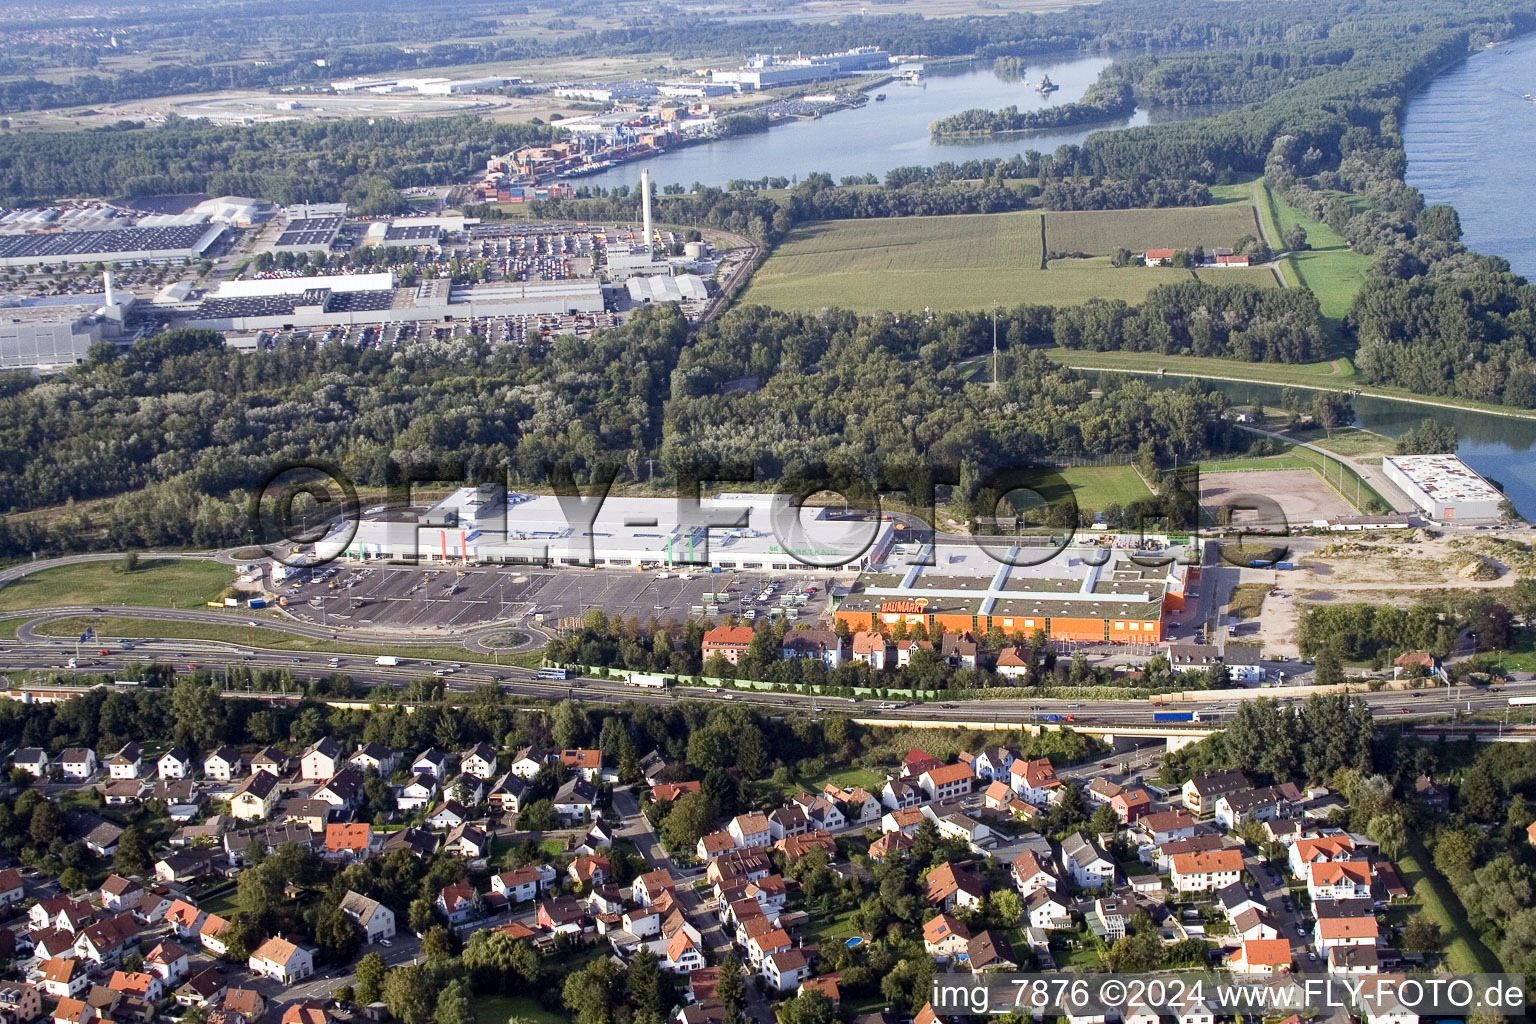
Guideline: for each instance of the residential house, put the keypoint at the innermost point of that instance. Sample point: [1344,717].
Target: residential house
[527,762]
[989,951]
[225,764]
[78,763]
[116,892]
[1255,924]
[1044,909]
[1435,797]
[947,782]
[870,648]
[1347,961]
[730,642]
[992,763]
[590,870]
[460,902]
[1035,781]
[562,916]
[1261,956]
[905,649]
[1318,850]
[142,984]
[375,757]
[12,891]
[1012,664]
[214,934]
[1264,804]
[1130,804]
[348,842]
[203,989]
[1330,932]
[949,887]
[63,978]
[899,794]
[649,887]
[1101,791]
[508,793]
[521,885]
[859,806]
[575,800]
[31,760]
[343,791]
[255,798]
[1339,880]
[1032,873]
[282,961]
[270,760]
[248,1003]
[945,936]
[1113,914]
[1234,899]
[959,649]
[750,830]
[416,794]
[1206,872]
[107,942]
[1085,863]
[321,760]
[127,763]
[683,954]
[102,839]
[20,1004]
[785,971]
[820,644]
[1164,826]
[185,919]
[167,961]
[586,763]
[469,841]
[375,919]
[1201,792]
[479,761]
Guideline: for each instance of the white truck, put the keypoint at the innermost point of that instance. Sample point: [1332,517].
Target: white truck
[386,661]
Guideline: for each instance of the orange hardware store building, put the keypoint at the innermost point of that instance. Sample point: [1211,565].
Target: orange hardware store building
[1068,597]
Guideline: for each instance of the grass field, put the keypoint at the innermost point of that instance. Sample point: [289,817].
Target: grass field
[234,633]
[847,778]
[1464,950]
[1262,277]
[1248,598]
[1101,232]
[942,263]
[1097,487]
[1329,268]
[500,1009]
[157,583]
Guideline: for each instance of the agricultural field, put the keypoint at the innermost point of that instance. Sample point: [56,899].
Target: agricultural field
[1101,232]
[1263,277]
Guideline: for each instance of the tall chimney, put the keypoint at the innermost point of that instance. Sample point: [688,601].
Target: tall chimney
[645,205]
[111,297]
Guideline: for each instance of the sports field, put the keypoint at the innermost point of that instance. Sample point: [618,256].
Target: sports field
[1101,232]
[1098,487]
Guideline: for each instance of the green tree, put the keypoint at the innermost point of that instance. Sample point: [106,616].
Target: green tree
[132,857]
[370,978]
[807,1008]
[594,993]
[337,935]
[647,988]
[421,915]
[1421,935]
[455,1005]
[731,990]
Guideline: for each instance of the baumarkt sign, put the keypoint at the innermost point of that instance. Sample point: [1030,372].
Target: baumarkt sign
[904,607]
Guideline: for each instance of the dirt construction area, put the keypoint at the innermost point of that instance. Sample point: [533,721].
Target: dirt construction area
[1301,495]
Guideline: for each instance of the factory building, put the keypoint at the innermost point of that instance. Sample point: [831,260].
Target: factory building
[56,332]
[662,288]
[112,245]
[1082,594]
[764,71]
[728,531]
[310,227]
[347,299]
[1443,486]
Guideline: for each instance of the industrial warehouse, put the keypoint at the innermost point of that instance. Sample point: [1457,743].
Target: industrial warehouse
[1443,486]
[727,531]
[1082,594]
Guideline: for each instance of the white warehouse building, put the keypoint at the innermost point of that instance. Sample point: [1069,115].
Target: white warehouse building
[1446,488]
[725,531]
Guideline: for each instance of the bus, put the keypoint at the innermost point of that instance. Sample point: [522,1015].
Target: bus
[554,673]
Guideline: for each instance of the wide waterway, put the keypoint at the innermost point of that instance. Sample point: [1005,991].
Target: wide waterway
[1471,142]
[878,136]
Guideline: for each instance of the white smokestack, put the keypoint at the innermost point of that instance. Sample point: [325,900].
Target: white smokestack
[106,282]
[645,205]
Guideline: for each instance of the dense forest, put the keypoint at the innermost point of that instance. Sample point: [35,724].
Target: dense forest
[1104,101]
[287,162]
[182,426]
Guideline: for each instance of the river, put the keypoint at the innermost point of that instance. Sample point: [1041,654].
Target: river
[1471,142]
[878,136]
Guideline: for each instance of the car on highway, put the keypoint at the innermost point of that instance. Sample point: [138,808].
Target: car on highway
[103,652]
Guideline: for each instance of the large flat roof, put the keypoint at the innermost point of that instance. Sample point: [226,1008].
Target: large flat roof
[1445,478]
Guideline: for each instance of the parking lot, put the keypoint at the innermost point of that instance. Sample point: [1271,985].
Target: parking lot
[455,597]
